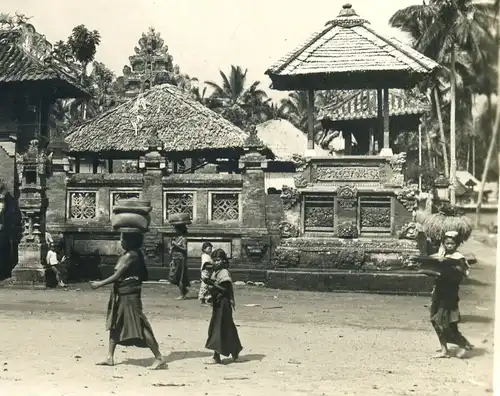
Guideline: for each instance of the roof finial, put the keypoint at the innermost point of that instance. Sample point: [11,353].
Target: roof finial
[347,11]
[347,18]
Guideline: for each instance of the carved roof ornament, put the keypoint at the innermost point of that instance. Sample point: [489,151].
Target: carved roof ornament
[347,18]
[154,141]
[150,43]
[253,140]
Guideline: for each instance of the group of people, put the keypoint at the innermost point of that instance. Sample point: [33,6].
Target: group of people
[126,321]
[128,326]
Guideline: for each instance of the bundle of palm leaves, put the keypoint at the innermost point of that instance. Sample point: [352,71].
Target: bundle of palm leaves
[448,218]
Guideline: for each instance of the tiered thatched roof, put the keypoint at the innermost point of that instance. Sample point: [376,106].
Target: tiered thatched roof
[25,57]
[348,54]
[285,140]
[362,105]
[165,113]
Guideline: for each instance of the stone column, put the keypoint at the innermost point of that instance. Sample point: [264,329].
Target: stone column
[32,169]
[255,237]
[153,164]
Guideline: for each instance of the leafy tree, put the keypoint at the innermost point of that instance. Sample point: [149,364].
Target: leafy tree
[235,100]
[444,30]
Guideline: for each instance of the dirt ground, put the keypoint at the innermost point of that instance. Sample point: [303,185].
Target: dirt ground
[296,343]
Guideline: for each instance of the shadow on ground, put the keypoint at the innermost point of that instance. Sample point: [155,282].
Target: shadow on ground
[475,319]
[183,355]
[172,357]
[245,359]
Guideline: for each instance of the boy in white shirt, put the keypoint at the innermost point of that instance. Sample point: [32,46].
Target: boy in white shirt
[53,264]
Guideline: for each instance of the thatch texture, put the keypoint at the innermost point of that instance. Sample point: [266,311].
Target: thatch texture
[17,65]
[163,113]
[347,45]
[362,105]
[285,140]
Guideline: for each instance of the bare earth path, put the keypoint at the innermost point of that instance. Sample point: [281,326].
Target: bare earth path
[296,343]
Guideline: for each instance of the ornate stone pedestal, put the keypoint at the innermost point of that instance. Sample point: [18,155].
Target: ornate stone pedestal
[32,168]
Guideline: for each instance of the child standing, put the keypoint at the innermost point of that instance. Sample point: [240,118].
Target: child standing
[223,336]
[444,311]
[206,272]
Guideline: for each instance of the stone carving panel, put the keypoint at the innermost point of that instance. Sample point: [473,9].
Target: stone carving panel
[375,212]
[346,174]
[319,212]
[179,203]
[225,207]
[82,205]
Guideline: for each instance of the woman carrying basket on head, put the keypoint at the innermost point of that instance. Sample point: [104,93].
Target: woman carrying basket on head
[126,322]
[178,254]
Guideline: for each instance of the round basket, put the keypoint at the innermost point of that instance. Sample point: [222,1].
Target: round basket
[179,219]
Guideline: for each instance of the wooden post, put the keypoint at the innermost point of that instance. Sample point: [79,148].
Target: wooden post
[371,142]
[380,115]
[386,147]
[310,121]
[420,157]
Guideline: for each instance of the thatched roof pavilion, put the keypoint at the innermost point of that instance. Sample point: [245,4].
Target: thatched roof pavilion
[25,62]
[348,54]
[357,113]
[164,113]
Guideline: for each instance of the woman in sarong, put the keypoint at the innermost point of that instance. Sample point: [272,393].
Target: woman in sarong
[126,322]
[223,336]
[444,311]
[178,265]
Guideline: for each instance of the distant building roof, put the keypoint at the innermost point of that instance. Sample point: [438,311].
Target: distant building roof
[347,46]
[362,104]
[165,113]
[25,57]
[285,140]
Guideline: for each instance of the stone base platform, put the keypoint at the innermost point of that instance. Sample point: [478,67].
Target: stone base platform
[403,283]
[27,276]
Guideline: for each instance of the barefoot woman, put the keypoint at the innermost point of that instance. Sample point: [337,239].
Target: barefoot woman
[126,322]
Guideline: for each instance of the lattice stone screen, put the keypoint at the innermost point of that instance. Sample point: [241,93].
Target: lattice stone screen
[319,213]
[225,207]
[176,203]
[82,205]
[375,213]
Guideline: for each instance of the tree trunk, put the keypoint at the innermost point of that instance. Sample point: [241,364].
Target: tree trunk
[441,132]
[84,102]
[494,134]
[453,147]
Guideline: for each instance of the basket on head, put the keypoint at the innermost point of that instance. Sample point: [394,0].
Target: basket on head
[131,215]
[179,219]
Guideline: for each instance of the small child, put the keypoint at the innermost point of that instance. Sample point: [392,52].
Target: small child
[53,264]
[206,272]
[444,311]
[223,336]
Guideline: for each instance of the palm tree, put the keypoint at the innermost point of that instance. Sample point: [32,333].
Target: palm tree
[233,99]
[496,126]
[443,28]
[83,44]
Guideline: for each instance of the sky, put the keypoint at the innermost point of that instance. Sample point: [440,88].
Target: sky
[203,36]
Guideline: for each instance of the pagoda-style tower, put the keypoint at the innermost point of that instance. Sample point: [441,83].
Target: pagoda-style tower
[151,65]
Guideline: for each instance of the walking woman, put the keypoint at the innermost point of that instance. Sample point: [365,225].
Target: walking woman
[178,252]
[126,322]
[444,311]
[223,336]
